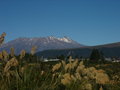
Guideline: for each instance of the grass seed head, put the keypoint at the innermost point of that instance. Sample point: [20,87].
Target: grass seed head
[33,50]
[12,52]
[70,59]
[102,78]
[2,38]
[78,76]
[80,68]
[87,86]
[66,79]
[56,67]
[63,63]
[81,63]
[74,64]
[67,75]
[5,55]
[10,63]
[22,54]
[73,78]
[68,67]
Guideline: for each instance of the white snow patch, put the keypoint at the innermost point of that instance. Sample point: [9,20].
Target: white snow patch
[64,39]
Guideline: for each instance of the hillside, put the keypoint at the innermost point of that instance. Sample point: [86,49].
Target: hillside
[109,50]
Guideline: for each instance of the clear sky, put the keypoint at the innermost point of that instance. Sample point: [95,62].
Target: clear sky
[89,22]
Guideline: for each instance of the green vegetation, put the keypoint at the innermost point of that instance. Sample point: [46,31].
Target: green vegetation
[96,55]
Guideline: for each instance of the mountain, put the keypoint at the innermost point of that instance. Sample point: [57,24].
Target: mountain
[52,47]
[109,50]
[42,43]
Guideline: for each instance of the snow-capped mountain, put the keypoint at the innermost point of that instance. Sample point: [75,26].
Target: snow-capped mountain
[42,43]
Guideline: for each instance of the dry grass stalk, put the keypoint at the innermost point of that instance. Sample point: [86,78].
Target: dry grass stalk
[102,78]
[63,63]
[10,63]
[53,75]
[73,78]
[5,55]
[70,59]
[87,86]
[100,71]
[12,52]
[42,72]
[1,56]
[78,77]
[74,64]
[33,50]
[67,79]
[2,38]
[56,67]
[80,68]
[23,68]
[22,54]
[68,67]
[101,88]
[91,72]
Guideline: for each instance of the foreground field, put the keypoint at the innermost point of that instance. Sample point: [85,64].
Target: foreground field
[26,72]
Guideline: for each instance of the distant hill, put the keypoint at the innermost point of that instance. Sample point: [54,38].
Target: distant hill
[42,43]
[109,50]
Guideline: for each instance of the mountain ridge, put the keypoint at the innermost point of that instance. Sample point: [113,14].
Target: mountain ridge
[43,43]
[109,50]
[53,46]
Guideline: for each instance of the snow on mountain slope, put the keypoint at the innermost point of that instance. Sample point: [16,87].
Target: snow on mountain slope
[42,43]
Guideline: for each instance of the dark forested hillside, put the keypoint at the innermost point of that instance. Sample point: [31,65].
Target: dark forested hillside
[84,52]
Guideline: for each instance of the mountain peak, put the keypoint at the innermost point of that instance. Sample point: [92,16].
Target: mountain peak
[51,37]
[65,39]
[43,43]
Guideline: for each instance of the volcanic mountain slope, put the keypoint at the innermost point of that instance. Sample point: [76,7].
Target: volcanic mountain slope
[42,43]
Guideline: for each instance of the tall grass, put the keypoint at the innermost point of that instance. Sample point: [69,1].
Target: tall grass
[17,75]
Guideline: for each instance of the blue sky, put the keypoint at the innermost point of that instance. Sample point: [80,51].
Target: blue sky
[89,22]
